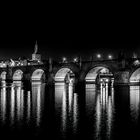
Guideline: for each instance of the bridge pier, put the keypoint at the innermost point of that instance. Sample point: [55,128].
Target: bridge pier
[121,78]
[50,79]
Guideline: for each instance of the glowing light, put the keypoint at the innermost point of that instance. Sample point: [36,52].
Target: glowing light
[75,112]
[28,106]
[98,55]
[107,80]
[64,59]
[75,59]
[101,80]
[12,104]
[136,62]
[36,101]
[64,111]
[110,56]
[18,102]
[38,107]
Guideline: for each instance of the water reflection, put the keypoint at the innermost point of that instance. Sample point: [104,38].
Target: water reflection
[75,113]
[134,102]
[90,99]
[12,104]
[104,116]
[3,103]
[66,105]
[28,106]
[37,101]
[100,109]
[20,105]
[18,97]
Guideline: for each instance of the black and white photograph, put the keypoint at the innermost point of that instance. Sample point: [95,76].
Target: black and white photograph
[69,76]
[54,90]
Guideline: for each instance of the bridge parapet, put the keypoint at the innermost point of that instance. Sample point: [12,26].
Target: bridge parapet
[121,70]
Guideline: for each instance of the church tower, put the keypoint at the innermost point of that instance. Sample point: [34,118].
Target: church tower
[35,56]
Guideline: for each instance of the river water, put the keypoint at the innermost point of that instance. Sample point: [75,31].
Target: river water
[37,110]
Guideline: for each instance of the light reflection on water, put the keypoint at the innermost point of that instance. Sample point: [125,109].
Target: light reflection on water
[19,106]
[134,102]
[100,100]
[37,101]
[66,106]
[3,104]
[28,106]
[12,105]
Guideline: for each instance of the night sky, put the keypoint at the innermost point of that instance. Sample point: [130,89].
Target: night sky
[60,48]
[60,33]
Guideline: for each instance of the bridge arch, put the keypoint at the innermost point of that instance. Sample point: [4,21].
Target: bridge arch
[3,75]
[38,75]
[61,74]
[135,76]
[18,75]
[92,74]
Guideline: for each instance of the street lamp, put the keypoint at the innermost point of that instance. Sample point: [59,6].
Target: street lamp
[98,55]
[109,56]
[64,59]
[75,59]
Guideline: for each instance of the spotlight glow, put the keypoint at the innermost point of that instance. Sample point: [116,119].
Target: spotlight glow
[98,55]
[75,59]
[64,59]
[110,56]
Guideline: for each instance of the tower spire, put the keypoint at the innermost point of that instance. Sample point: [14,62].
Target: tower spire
[36,48]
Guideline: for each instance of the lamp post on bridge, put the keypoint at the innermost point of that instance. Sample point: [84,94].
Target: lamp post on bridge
[110,56]
[64,60]
[98,56]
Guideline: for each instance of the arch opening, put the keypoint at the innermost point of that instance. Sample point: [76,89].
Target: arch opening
[96,71]
[135,77]
[18,75]
[38,75]
[62,74]
[3,75]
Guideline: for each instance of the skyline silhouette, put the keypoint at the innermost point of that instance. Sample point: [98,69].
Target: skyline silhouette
[63,48]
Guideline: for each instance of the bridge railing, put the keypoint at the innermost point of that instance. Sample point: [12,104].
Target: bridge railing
[88,61]
[20,64]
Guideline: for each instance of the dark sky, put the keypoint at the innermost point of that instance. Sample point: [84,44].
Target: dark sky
[63,34]
[67,32]
[59,48]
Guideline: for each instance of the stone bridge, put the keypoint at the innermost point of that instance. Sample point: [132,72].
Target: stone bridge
[124,71]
